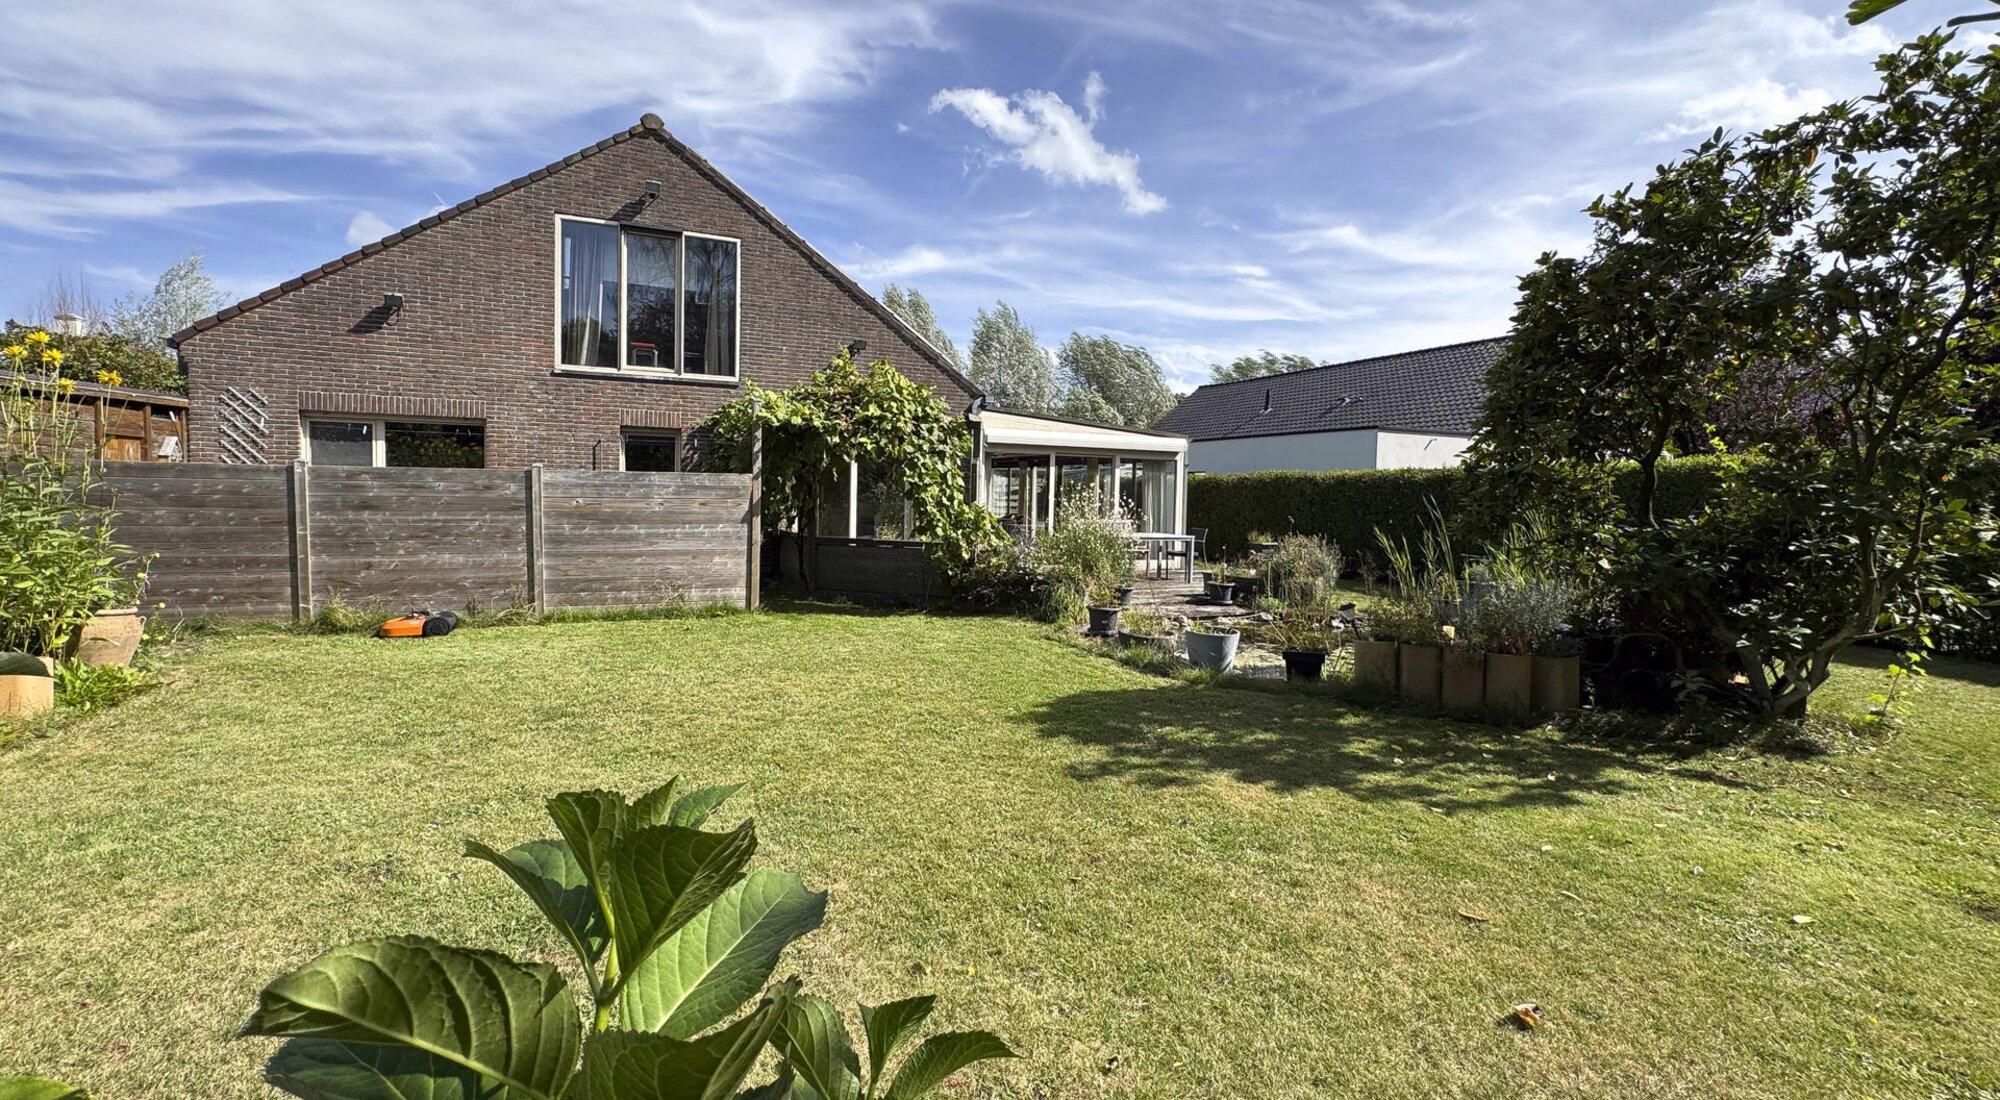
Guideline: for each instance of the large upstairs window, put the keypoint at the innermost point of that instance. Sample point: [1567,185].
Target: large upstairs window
[646,302]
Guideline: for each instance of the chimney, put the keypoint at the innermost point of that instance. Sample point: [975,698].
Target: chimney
[1267,400]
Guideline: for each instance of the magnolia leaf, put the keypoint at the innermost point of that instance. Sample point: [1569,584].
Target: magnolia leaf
[1861,11]
[38,1088]
[721,958]
[889,1026]
[654,807]
[663,877]
[632,1065]
[329,1069]
[514,1024]
[693,808]
[816,1047]
[941,1056]
[592,822]
[552,877]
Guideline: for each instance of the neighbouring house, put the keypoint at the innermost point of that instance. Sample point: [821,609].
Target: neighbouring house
[584,316]
[1415,408]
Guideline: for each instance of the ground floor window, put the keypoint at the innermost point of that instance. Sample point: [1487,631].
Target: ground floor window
[651,453]
[341,442]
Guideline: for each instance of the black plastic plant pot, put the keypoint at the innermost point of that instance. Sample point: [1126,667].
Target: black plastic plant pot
[1103,622]
[1124,595]
[1220,592]
[1304,664]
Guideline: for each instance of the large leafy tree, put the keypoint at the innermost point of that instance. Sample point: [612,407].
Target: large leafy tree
[182,295]
[916,311]
[1009,363]
[1264,362]
[1111,382]
[1843,270]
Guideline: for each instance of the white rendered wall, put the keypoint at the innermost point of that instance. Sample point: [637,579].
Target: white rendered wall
[1400,450]
[1312,451]
[1357,450]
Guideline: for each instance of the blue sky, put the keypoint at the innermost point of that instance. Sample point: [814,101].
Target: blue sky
[1334,178]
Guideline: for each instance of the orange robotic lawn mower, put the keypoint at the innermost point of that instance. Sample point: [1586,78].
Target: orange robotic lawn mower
[419,624]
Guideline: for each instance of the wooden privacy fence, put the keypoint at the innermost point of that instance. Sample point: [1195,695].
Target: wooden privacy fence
[281,541]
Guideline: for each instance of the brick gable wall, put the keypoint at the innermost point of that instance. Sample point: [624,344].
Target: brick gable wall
[476,337]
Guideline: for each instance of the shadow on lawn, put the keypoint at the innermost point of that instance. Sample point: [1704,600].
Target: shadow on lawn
[1185,734]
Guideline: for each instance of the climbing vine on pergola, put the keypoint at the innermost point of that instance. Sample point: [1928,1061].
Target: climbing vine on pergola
[877,418]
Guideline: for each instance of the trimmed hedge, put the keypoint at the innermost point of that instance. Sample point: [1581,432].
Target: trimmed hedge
[1347,506]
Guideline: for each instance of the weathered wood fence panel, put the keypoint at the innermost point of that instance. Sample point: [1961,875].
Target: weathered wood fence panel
[222,535]
[275,541]
[419,538]
[644,539]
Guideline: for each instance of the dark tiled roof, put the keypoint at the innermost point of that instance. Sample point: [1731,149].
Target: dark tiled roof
[650,125]
[1435,391]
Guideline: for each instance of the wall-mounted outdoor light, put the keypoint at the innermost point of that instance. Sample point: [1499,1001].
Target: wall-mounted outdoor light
[392,303]
[856,347]
[653,189]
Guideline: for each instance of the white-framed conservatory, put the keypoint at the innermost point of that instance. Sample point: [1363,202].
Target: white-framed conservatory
[1025,466]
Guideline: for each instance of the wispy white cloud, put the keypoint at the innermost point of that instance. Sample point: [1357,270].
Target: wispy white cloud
[138,91]
[70,212]
[367,228]
[1745,107]
[1043,133]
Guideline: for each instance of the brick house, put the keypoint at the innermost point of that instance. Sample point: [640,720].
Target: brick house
[586,316]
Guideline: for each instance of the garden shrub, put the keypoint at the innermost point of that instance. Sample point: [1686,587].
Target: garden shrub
[107,357]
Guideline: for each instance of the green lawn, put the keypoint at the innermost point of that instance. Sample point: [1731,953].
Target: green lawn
[1151,888]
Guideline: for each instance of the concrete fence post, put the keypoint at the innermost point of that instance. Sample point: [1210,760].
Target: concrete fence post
[301,486]
[538,581]
[754,521]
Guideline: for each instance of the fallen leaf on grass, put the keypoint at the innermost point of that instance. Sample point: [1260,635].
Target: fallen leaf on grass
[1801,918]
[1528,1016]
[1474,916]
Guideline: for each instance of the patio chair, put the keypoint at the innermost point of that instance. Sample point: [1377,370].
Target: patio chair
[1197,546]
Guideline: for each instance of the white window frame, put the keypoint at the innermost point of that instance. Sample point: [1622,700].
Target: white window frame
[379,458]
[677,357]
[651,435]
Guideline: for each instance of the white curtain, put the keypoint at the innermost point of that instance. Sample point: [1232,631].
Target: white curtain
[590,294]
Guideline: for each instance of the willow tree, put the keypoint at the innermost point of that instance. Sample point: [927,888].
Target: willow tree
[1844,268]
[877,418]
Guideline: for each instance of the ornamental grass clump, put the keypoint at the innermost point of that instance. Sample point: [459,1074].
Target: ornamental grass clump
[1304,569]
[1087,555]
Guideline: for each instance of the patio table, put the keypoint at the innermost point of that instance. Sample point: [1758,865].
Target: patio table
[1158,543]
